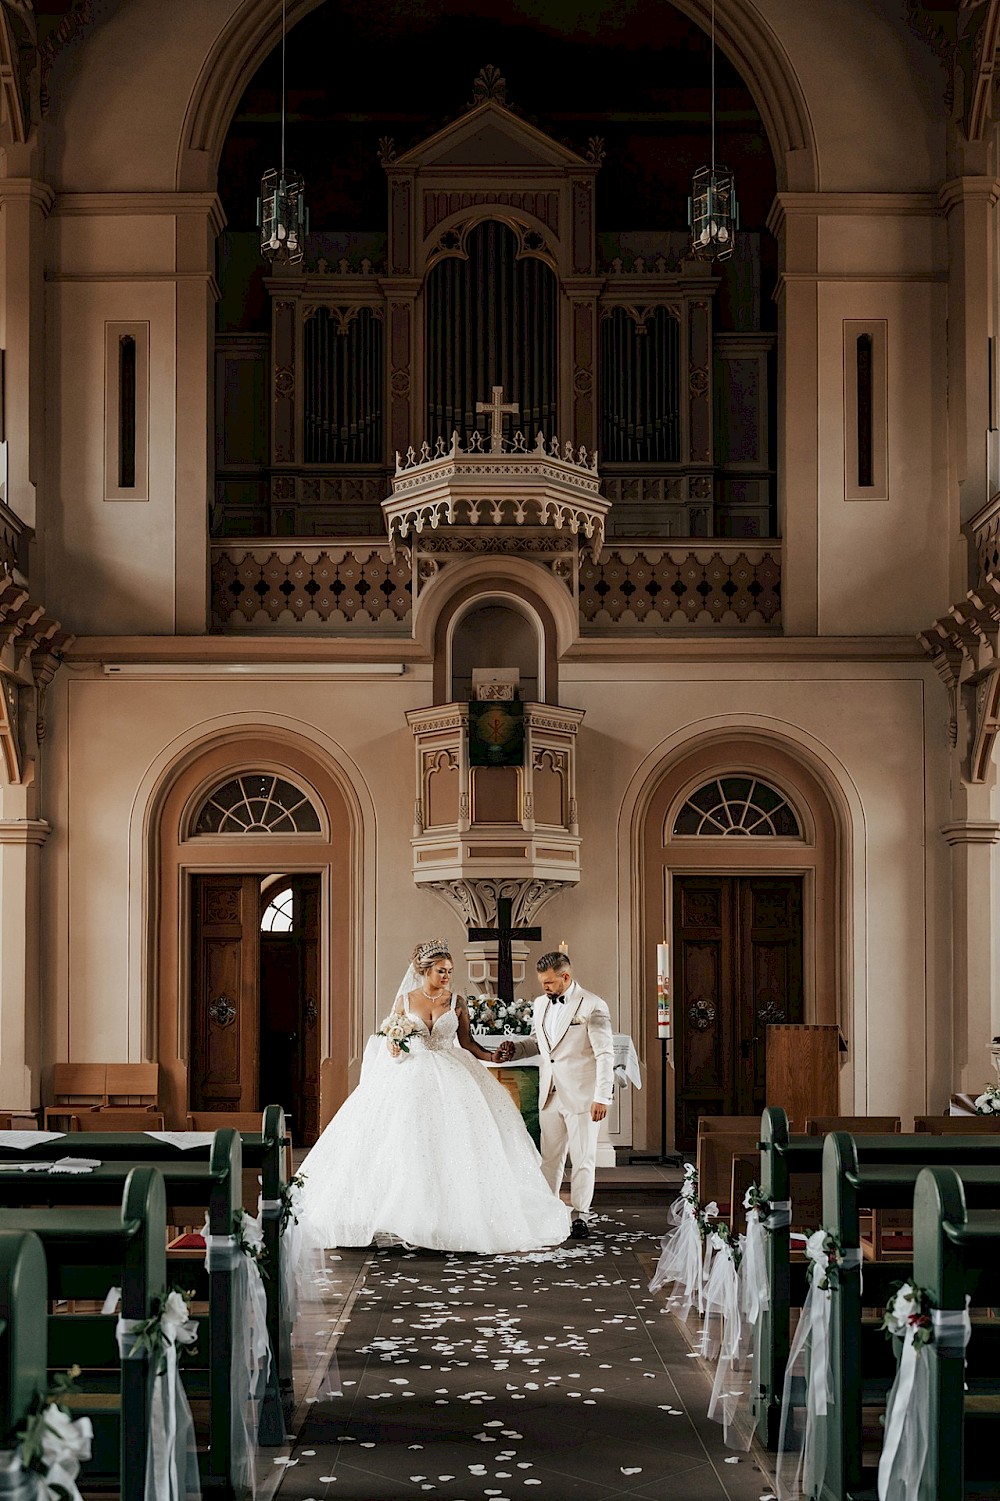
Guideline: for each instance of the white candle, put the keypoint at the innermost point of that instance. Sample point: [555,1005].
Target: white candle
[662,962]
[563,946]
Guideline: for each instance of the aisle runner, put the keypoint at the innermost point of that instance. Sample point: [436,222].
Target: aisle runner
[545,1376]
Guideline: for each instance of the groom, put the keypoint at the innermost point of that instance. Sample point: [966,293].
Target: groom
[572,1032]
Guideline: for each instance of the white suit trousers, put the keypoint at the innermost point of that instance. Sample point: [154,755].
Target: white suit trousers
[563,1131]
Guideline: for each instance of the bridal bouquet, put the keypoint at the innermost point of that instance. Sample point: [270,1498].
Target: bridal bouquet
[988,1103]
[399,1029]
[488,1013]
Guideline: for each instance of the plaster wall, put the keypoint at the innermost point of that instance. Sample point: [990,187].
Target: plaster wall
[110,564]
[874,92]
[881,564]
[881,759]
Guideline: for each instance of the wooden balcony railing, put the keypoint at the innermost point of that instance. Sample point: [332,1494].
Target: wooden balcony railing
[307,586]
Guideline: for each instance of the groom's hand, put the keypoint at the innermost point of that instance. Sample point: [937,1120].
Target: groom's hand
[504,1053]
[598,1111]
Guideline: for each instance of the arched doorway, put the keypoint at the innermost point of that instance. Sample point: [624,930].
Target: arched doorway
[740,873]
[235,816]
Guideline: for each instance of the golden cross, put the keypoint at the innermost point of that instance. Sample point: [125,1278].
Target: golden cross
[496,410]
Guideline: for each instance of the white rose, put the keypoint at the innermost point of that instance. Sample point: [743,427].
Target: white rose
[711,1211]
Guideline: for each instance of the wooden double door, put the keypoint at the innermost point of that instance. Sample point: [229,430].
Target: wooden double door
[255,1036]
[737,968]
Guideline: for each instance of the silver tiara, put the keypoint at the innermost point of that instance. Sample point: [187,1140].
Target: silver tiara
[432,949]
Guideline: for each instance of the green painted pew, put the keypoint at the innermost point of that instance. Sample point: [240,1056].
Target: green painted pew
[862,1364]
[87,1251]
[23,1316]
[215,1186]
[956,1252]
[786,1162]
[264,1150]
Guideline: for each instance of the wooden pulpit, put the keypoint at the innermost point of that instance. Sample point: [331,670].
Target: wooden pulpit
[802,1066]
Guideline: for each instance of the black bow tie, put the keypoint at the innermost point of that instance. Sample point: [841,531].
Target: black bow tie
[557,1000]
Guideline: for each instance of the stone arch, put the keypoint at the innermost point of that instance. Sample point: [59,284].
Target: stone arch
[168,854]
[746,38]
[523,586]
[826,854]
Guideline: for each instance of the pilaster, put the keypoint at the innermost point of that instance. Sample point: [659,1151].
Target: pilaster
[21,840]
[970,208]
[797,297]
[975,939]
[25,203]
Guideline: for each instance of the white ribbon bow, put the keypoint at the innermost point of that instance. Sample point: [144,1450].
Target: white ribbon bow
[907,1413]
[172,1451]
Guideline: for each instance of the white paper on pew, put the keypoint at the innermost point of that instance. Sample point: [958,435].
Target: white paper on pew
[22,1140]
[185,1140]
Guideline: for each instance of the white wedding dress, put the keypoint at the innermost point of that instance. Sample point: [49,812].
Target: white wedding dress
[430,1150]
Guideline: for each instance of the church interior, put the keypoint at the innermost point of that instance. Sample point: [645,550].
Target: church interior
[527,476]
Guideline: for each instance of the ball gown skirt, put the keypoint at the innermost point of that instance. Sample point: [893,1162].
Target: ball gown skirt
[429,1149]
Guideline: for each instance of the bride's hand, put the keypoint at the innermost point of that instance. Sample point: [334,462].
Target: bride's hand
[394,1049]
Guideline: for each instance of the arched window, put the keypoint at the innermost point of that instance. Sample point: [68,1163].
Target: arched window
[738,805]
[257,803]
[279,914]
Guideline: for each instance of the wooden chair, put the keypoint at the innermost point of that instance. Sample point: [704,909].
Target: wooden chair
[957,1125]
[132,1086]
[119,1120]
[18,1120]
[858,1125]
[720,1139]
[76,1087]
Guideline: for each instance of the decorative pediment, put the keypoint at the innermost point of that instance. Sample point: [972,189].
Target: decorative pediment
[490,135]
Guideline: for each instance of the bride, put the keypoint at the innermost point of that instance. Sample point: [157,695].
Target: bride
[429,1149]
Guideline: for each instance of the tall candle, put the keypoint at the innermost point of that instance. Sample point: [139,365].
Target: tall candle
[662,962]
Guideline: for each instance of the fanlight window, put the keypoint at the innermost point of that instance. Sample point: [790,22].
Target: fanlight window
[738,805]
[257,804]
[279,915]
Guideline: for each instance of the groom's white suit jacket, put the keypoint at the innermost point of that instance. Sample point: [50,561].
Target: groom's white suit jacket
[578,1063]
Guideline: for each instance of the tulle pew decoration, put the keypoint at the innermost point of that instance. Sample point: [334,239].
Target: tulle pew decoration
[910,1317]
[240,1255]
[682,1254]
[808,1390]
[172,1454]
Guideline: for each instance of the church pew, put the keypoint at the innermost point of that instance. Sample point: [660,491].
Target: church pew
[861,1362]
[956,1253]
[87,1251]
[214,1185]
[264,1155]
[23,1314]
[790,1169]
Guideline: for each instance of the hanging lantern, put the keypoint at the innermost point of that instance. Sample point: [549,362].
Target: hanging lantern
[282,217]
[713,213]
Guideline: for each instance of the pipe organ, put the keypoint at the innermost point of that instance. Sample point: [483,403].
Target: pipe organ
[490,277]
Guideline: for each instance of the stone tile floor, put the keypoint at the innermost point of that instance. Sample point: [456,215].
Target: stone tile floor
[554,1375]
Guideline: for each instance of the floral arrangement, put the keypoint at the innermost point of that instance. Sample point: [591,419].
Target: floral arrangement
[488,1013]
[291,1201]
[399,1029]
[250,1239]
[51,1442]
[988,1103]
[826,1255]
[171,1324]
[755,1199]
[908,1312]
[721,1238]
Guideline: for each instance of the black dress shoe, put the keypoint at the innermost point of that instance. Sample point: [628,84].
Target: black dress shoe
[578,1230]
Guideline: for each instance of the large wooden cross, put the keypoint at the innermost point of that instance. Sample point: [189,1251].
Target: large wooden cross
[502,935]
[496,409]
